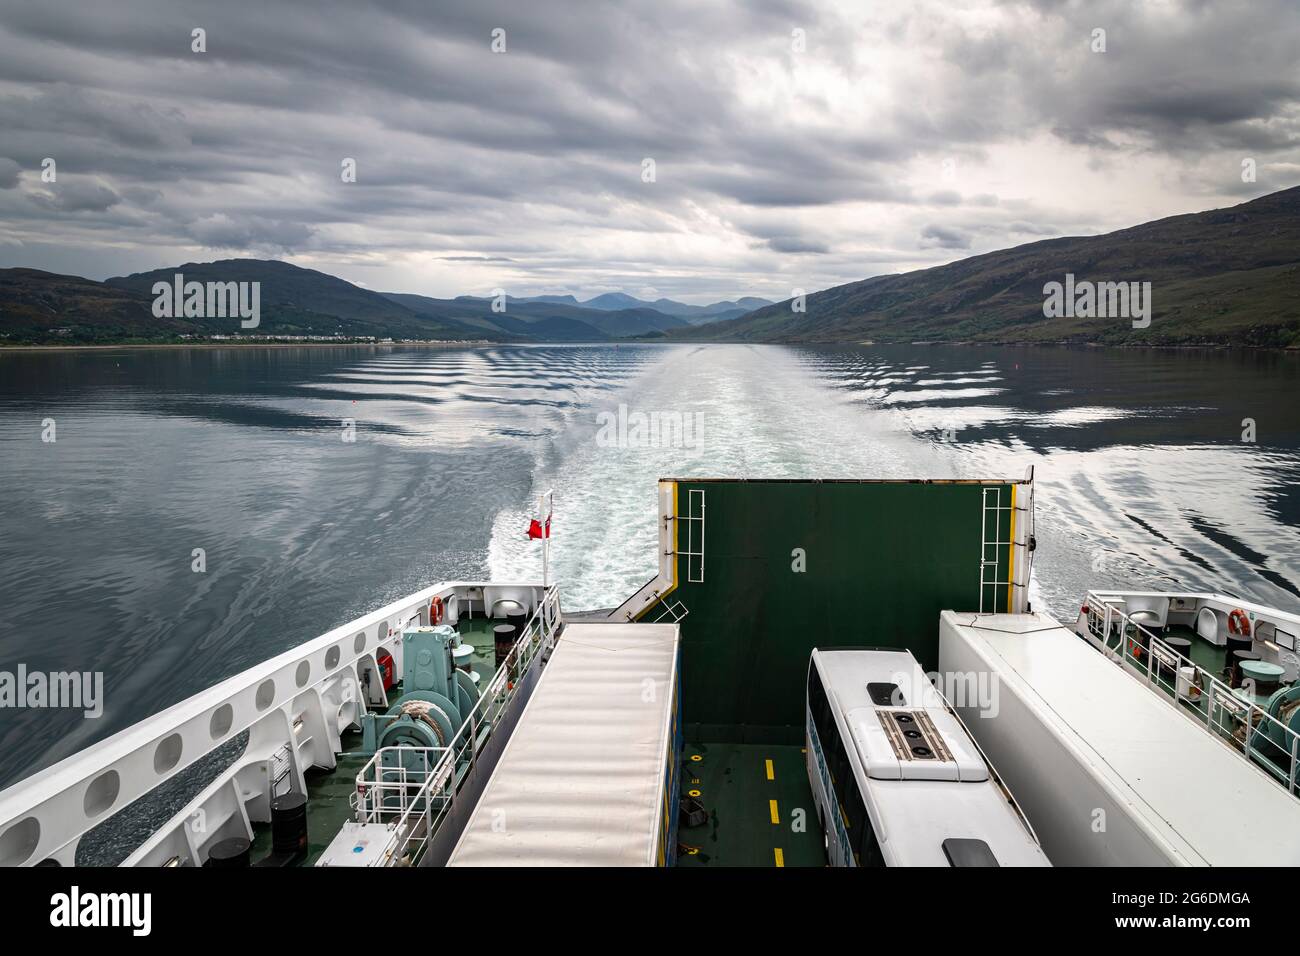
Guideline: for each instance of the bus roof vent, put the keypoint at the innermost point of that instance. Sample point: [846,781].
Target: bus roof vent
[914,745]
[885,695]
[966,852]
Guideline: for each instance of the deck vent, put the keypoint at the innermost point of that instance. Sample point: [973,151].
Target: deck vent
[885,695]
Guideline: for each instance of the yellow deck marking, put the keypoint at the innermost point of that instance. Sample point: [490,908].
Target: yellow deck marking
[776,814]
[771,774]
[780,857]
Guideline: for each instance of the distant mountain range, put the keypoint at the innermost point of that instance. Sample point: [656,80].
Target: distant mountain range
[1224,277]
[693,314]
[44,308]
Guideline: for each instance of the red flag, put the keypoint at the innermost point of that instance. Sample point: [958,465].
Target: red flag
[535,528]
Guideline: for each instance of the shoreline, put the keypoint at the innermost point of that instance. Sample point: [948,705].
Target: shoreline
[245,345]
[481,343]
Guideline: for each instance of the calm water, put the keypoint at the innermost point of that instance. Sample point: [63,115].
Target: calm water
[1143,479]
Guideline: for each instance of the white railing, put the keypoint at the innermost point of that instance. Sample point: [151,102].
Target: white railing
[305,698]
[412,789]
[1240,722]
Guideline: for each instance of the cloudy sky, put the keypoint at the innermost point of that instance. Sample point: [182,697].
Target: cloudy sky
[795,144]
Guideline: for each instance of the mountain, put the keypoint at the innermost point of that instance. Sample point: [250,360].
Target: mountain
[38,306]
[614,300]
[297,301]
[553,299]
[1223,277]
[43,307]
[515,324]
[693,314]
[546,321]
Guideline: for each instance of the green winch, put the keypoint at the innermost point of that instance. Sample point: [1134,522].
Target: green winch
[436,700]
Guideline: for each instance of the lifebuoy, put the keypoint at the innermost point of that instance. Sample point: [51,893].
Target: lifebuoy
[1238,623]
[435,610]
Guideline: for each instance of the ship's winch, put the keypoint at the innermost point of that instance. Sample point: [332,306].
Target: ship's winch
[438,697]
[1270,742]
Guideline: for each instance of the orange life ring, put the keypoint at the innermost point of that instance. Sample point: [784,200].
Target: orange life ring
[435,610]
[1238,623]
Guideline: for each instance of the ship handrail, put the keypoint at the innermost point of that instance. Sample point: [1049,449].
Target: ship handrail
[45,816]
[416,816]
[1268,612]
[1234,713]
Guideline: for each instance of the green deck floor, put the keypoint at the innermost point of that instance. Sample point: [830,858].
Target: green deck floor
[1210,658]
[742,797]
[734,782]
[328,791]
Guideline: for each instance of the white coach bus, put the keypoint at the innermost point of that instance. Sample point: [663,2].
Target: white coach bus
[896,778]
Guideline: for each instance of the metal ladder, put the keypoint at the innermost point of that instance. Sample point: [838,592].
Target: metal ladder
[991,546]
[693,522]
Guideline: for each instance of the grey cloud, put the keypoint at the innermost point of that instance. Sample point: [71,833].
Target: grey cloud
[945,237]
[77,194]
[220,231]
[10,173]
[513,160]
[797,244]
[473,259]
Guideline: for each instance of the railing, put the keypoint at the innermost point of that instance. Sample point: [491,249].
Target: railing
[1241,723]
[412,789]
[673,612]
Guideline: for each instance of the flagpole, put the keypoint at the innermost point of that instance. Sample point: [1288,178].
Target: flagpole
[544,516]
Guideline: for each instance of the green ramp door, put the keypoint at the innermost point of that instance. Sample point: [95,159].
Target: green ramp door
[758,573]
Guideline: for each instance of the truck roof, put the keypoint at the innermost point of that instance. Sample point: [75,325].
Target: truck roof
[581,781]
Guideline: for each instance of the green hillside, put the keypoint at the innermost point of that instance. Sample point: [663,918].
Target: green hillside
[1224,277]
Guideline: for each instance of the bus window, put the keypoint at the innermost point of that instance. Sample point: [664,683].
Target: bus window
[837,759]
[868,852]
[855,816]
[818,705]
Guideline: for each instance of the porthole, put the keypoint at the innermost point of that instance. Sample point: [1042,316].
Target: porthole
[18,843]
[265,695]
[168,753]
[222,719]
[102,793]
